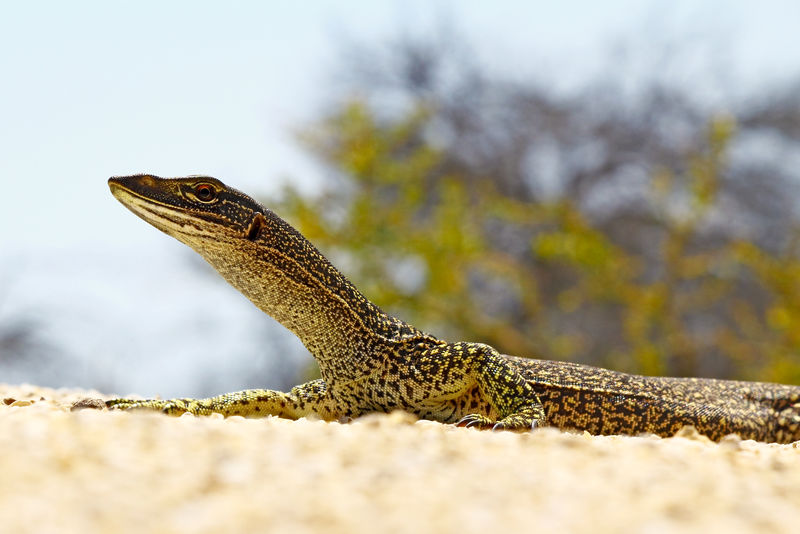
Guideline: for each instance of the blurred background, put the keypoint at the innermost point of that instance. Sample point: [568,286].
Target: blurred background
[611,183]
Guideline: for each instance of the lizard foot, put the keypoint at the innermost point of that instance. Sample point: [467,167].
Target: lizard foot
[516,422]
[169,407]
[526,419]
[475,420]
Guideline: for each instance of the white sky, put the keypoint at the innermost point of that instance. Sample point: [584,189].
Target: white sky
[94,89]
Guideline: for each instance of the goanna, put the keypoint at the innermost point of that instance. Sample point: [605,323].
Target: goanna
[370,361]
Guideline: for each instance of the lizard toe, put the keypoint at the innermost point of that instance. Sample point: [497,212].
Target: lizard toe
[475,420]
[121,404]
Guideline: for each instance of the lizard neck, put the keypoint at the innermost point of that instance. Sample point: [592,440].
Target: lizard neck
[285,276]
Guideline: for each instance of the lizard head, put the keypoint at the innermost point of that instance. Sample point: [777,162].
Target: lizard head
[249,245]
[191,209]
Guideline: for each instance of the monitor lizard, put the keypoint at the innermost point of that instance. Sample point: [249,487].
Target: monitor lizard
[370,361]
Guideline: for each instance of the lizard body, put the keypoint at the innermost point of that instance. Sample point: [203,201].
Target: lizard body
[372,362]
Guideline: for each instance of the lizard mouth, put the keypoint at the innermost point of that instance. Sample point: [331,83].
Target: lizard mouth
[163,218]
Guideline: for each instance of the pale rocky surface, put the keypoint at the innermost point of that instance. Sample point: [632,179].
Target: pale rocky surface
[97,471]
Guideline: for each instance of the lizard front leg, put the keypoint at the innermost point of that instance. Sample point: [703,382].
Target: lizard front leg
[451,371]
[302,400]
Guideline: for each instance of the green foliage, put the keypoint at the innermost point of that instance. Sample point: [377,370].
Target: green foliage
[432,246]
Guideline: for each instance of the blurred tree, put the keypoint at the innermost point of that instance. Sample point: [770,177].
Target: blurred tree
[18,341]
[630,228]
[21,342]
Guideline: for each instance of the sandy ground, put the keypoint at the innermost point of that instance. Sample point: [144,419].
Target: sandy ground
[97,471]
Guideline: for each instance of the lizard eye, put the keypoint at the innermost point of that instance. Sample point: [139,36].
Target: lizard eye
[205,192]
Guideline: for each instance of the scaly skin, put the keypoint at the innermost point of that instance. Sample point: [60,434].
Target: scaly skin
[372,362]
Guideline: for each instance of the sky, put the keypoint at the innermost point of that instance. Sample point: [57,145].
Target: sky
[94,89]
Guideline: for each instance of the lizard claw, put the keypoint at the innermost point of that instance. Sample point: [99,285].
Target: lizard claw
[520,421]
[475,420]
